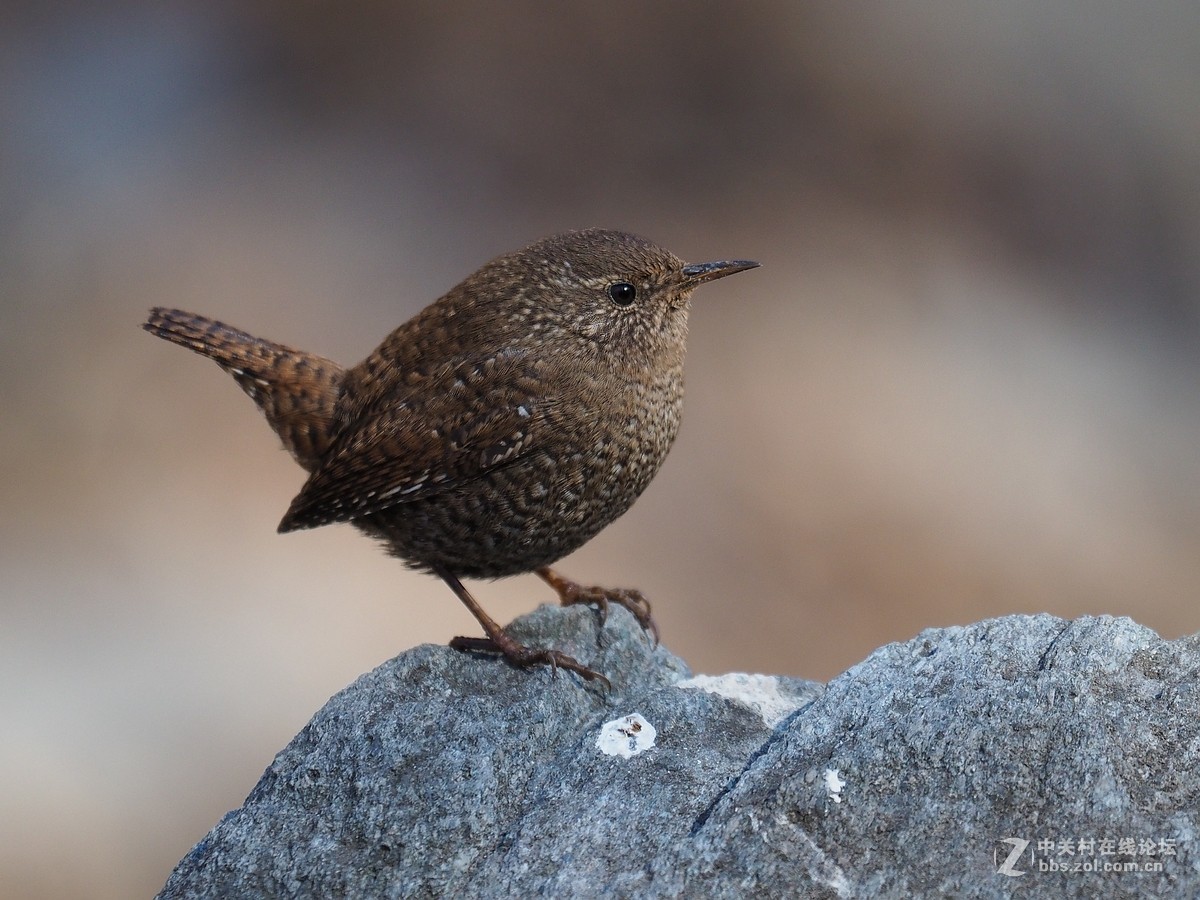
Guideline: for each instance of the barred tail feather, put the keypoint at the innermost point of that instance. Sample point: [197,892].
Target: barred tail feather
[296,391]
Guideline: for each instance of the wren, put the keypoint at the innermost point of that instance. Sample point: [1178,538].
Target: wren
[497,430]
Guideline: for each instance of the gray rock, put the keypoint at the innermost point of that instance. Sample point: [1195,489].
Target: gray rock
[446,774]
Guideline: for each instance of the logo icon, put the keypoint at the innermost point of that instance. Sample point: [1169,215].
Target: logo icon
[1006,867]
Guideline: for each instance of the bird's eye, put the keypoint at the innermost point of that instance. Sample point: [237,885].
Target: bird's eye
[622,293]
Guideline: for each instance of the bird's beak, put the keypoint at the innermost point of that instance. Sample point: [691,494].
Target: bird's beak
[699,273]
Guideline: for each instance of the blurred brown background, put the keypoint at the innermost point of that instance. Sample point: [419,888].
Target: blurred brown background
[964,383]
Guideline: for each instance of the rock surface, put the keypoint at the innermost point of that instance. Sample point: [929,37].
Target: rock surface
[915,773]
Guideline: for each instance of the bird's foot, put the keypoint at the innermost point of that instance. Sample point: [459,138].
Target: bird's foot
[570,592]
[521,656]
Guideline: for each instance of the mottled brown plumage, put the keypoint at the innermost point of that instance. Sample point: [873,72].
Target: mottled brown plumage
[499,429]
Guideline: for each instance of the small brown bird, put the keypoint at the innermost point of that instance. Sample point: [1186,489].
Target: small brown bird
[499,429]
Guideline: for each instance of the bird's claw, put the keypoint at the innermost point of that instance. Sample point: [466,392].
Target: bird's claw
[571,593]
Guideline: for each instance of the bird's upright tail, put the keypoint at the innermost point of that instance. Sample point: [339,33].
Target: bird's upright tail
[296,391]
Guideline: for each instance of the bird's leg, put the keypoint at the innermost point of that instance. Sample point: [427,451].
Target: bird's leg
[498,641]
[570,593]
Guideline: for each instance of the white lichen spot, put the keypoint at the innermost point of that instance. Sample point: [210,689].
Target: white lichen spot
[834,784]
[759,692]
[627,736]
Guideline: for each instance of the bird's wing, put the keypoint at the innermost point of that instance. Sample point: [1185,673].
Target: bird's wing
[465,419]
